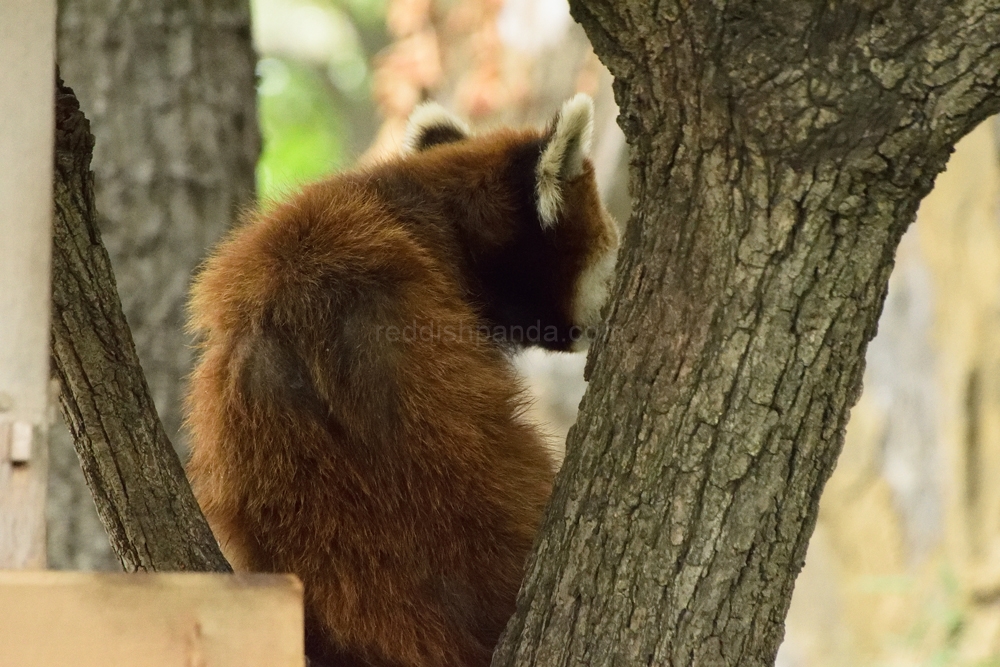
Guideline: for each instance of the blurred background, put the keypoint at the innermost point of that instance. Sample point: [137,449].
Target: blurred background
[904,566]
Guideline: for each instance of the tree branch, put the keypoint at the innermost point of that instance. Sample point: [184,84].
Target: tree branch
[138,484]
[779,151]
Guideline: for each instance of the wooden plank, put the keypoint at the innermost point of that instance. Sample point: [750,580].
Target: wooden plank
[150,620]
[27,71]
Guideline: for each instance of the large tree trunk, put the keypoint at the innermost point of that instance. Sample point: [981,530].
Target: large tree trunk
[903,565]
[169,88]
[779,152]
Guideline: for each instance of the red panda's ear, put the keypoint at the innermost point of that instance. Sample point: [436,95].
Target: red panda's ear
[431,124]
[563,155]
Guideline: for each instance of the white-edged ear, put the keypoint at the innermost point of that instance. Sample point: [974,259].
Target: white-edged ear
[562,158]
[431,124]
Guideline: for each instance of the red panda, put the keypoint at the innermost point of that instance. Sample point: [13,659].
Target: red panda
[355,417]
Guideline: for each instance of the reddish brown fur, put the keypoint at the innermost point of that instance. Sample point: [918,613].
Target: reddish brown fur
[396,478]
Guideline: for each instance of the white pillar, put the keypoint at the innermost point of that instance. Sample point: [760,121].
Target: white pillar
[27,73]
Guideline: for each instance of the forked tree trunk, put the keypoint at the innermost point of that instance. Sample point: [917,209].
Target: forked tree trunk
[780,149]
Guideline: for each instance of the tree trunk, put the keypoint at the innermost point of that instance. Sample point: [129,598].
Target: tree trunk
[169,88]
[137,481]
[779,152]
[903,565]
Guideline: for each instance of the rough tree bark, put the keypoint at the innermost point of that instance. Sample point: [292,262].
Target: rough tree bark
[168,86]
[139,487]
[780,149]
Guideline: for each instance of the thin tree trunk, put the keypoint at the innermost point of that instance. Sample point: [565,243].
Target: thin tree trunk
[168,86]
[139,487]
[779,152]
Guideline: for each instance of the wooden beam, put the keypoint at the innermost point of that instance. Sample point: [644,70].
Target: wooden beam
[27,69]
[150,620]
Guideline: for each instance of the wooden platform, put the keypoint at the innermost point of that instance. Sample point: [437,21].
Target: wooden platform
[74,619]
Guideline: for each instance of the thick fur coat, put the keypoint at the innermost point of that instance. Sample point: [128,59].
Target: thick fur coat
[355,418]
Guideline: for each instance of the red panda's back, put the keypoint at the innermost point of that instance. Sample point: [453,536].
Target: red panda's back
[350,425]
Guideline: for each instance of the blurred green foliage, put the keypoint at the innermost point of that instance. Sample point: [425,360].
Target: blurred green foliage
[368,12]
[316,113]
[300,125]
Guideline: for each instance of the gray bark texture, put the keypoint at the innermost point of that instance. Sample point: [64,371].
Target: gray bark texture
[780,150]
[169,88]
[136,478]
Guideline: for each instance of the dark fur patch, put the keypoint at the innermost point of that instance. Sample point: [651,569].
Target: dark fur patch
[524,286]
[270,373]
[435,135]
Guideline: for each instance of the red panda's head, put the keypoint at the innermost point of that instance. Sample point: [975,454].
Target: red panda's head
[538,239]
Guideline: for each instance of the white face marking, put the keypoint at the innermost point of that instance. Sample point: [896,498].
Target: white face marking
[594,283]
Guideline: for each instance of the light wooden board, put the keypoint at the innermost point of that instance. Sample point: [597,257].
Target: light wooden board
[52,619]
